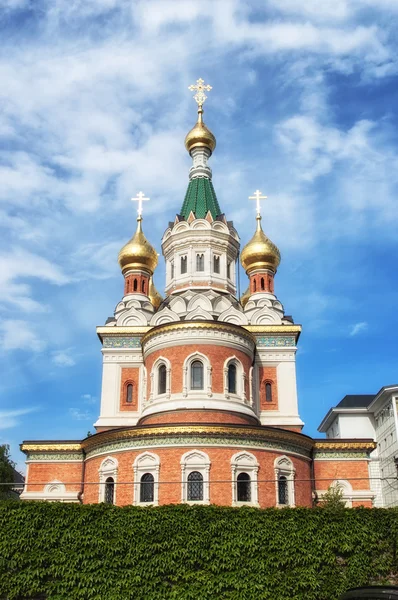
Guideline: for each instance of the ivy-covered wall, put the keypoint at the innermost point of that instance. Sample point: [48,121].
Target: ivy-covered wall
[97,552]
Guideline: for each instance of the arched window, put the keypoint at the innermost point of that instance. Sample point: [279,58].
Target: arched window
[162,379]
[232,379]
[283,493]
[109,490]
[195,486]
[135,285]
[172,269]
[183,265]
[262,283]
[216,264]
[268,391]
[143,286]
[243,485]
[254,285]
[147,487]
[129,393]
[200,262]
[197,375]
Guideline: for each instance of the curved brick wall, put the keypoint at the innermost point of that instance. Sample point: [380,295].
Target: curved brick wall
[195,416]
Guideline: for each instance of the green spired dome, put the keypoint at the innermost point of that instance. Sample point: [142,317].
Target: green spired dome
[200,198]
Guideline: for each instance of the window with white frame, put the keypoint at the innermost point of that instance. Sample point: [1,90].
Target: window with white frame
[160,378]
[146,469]
[195,472]
[244,471]
[107,480]
[216,264]
[234,378]
[284,481]
[184,264]
[197,375]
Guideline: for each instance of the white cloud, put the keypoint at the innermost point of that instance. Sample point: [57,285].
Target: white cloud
[89,399]
[16,334]
[358,328]
[10,418]
[63,358]
[79,415]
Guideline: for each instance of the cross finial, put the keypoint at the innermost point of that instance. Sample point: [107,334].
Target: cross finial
[140,199]
[200,89]
[257,196]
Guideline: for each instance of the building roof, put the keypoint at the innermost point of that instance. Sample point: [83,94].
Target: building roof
[356,401]
[200,198]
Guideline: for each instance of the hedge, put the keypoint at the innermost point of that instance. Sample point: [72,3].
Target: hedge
[56,551]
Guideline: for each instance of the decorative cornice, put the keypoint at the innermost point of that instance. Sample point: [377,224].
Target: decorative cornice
[116,331]
[54,457]
[51,447]
[250,433]
[344,445]
[264,329]
[199,325]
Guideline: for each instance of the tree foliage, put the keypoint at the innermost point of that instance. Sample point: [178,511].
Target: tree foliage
[6,471]
[332,499]
[55,551]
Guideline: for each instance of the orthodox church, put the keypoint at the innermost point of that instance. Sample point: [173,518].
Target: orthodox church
[199,397]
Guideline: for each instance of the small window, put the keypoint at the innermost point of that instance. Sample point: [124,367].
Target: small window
[195,486]
[162,379]
[200,262]
[172,270]
[268,392]
[283,497]
[255,285]
[243,483]
[197,375]
[183,264]
[129,393]
[262,283]
[135,285]
[216,264]
[147,488]
[229,270]
[109,490]
[232,379]
[143,286]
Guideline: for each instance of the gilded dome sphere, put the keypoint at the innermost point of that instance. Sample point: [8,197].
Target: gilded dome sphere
[154,295]
[260,252]
[200,136]
[138,253]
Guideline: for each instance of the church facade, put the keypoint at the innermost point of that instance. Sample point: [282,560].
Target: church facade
[199,397]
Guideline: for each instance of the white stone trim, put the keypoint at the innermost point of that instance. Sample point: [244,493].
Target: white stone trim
[349,495]
[161,360]
[147,462]
[283,466]
[195,460]
[108,468]
[240,393]
[245,462]
[207,376]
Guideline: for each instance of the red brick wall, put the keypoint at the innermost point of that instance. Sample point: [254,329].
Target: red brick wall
[355,471]
[220,476]
[129,375]
[41,473]
[268,375]
[261,282]
[217,356]
[142,284]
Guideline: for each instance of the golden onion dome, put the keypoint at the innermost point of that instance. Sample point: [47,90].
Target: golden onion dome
[245,297]
[138,253]
[200,136]
[260,252]
[154,295]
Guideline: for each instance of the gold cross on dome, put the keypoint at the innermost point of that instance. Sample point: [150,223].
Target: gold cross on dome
[140,199]
[200,89]
[257,196]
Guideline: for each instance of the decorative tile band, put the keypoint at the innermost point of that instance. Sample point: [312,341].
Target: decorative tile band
[132,444]
[121,341]
[340,455]
[276,341]
[53,457]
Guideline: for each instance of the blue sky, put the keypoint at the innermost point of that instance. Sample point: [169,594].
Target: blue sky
[95,107]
